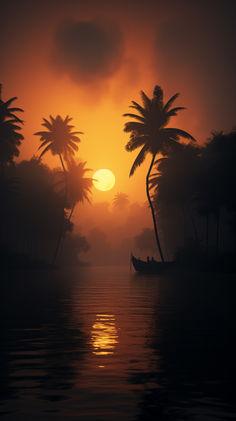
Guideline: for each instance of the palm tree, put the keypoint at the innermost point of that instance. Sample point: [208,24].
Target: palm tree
[120,200]
[6,112]
[10,138]
[149,131]
[79,186]
[62,141]
[59,139]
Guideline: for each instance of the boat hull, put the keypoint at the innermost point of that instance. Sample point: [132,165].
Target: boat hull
[151,266]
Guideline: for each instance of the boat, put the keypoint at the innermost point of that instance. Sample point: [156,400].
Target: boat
[150,266]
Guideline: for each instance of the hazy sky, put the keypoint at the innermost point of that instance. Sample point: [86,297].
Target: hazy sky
[90,59]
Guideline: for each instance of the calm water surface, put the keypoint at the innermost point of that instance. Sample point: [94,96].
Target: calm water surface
[98,344]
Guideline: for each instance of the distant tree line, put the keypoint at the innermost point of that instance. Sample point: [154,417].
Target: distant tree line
[193,191]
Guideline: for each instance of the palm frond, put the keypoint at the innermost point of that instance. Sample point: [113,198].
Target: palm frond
[139,159]
[45,150]
[47,124]
[77,133]
[138,117]
[7,103]
[67,119]
[177,133]
[146,100]
[15,109]
[158,96]
[44,144]
[159,161]
[170,102]
[135,126]
[43,134]
[174,111]
[135,142]
[139,108]
[73,146]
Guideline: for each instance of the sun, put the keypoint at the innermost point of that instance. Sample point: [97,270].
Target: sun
[104,179]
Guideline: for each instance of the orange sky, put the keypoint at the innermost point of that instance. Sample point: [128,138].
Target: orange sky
[147,57]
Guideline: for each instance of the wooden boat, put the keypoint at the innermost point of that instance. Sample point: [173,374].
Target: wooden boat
[150,266]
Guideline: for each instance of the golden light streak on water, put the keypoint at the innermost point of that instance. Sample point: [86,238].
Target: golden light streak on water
[104,334]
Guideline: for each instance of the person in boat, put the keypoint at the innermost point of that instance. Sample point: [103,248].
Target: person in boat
[148,259]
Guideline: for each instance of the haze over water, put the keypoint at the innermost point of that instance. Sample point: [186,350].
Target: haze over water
[105,344]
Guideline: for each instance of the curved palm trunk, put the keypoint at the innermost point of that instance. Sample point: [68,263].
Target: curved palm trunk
[152,210]
[62,228]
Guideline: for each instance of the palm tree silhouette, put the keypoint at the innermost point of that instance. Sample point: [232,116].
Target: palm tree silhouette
[120,200]
[5,111]
[62,141]
[79,186]
[59,139]
[149,132]
[10,138]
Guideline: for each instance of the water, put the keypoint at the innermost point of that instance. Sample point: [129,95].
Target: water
[103,344]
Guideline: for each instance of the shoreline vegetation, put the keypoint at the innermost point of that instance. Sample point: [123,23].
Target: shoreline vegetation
[190,191]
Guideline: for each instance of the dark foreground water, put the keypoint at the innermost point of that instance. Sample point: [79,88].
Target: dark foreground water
[103,344]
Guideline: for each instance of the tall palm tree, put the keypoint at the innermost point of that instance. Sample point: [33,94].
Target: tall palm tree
[149,131]
[10,138]
[60,140]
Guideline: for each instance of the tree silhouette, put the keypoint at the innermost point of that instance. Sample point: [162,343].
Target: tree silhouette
[59,139]
[62,141]
[10,138]
[120,200]
[149,132]
[175,181]
[218,180]
[79,186]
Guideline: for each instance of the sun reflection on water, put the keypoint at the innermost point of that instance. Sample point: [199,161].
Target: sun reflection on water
[104,335]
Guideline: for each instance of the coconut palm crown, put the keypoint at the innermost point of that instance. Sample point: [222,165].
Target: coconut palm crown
[149,131]
[10,138]
[120,200]
[59,137]
[79,186]
[6,112]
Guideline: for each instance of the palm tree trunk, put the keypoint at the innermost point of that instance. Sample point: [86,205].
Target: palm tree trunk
[152,209]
